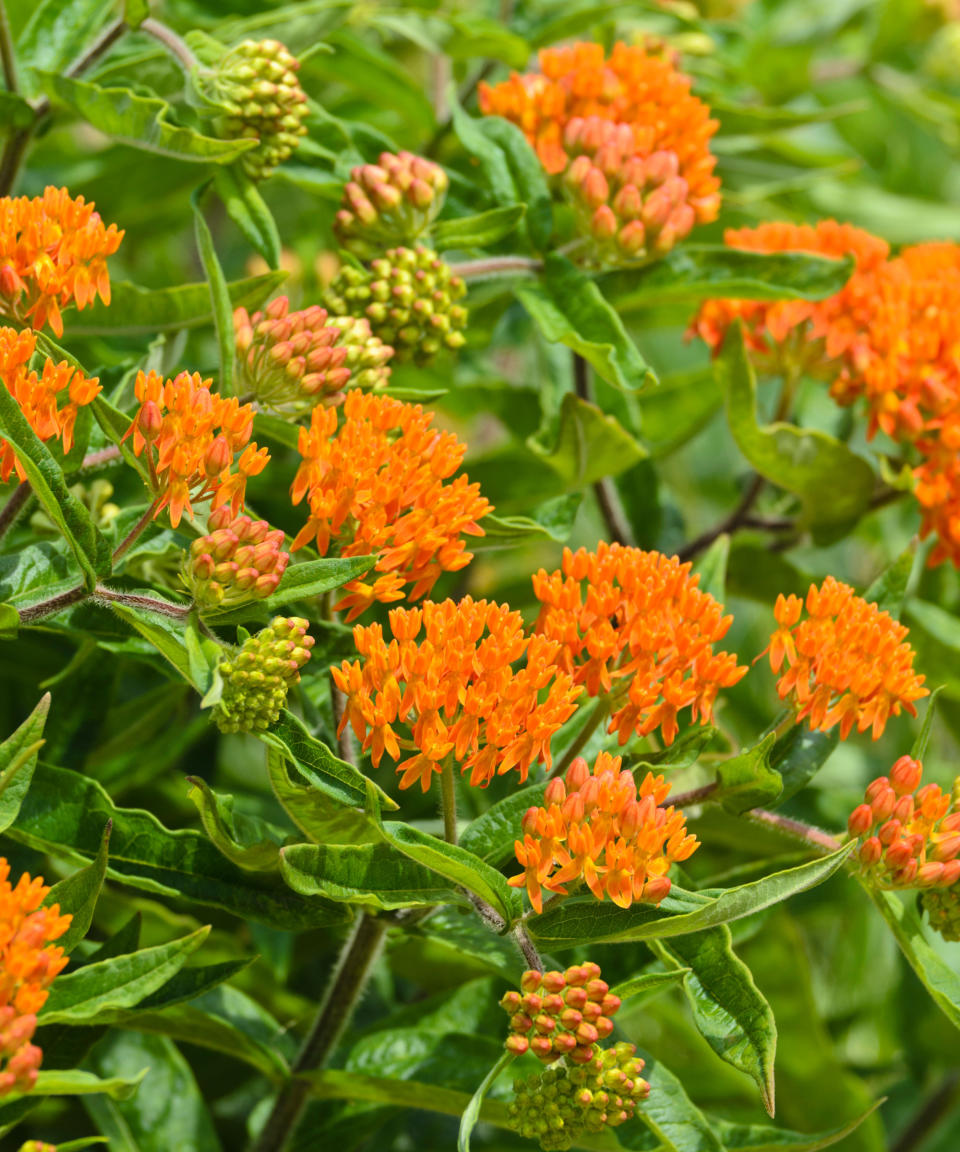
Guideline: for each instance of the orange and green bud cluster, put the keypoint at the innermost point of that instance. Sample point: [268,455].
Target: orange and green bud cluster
[557,1106]
[560,1013]
[256,85]
[239,560]
[290,361]
[368,358]
[409,296]
[37,1146]
[388,203]
[631,206]
[909,836]
[256,681]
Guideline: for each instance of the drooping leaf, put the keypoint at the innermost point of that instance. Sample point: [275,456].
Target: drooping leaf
[477,231]
[245,841]
[78,894]
[18,760]
[168,636]
[672,1116]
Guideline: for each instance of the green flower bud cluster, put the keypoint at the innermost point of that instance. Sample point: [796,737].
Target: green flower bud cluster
[409,296]
[559,1105]
[368,358]
[256,681]
[256,85]
[239,560]
[942,905]
[391,202]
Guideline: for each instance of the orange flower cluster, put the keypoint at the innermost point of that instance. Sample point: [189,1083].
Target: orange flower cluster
[638,85]
[191,436]
[910,836]
[560,1013]
[456,691]
[40,397]
[28,965]
[812,330]
[53,252]
[847,662]
[375,485]
[640,630]
[602,828]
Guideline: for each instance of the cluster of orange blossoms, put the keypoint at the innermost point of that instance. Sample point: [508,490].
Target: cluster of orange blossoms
[634,625]
[49,402]
[639,86]
[910,836]
[374,482]
[601,828]
[456,690]
[191,436]
[28,964]
[847,663]
[53,252]
[560,1013]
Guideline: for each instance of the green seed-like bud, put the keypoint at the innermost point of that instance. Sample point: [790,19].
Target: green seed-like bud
[942,905]
[256,682]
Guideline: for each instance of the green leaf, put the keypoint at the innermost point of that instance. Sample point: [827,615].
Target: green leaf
[492,834]
[320,817]
[919,749]
[552,520]
[477,231]
[747,780]
[833,483]
[58,31]
[648,984]
[471,1114]
[569,309]
[135,12]
[889,590]
[697,272]
[76,1082]
[219,294]
[527,174]
[761,1138]
[168,636]
[78,894]
[373,876]
[18,760]
[248,210]
[69,514]
[116,425]
[139,121]
[711,567]
[681,912]
[64,812]
[588,446]
[134,310]
[728,1009]
[240,838]
[120,982]
[799,755]
[672,1116]
[9,622]
[300,582]
[15,112]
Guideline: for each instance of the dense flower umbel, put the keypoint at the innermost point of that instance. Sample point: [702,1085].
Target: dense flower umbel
[847,663]
[290,361]
[191,436]
[239,560]
[53,252]
[374,482]
[557,1106]
[602,828]
[49,401]
[458,680]
[639,86]
[560,1013]
[409,296]
[28,964]
[391,202]
[630,205]
[635,625]
[815,332]
[256,681]
[909,836]
[368,358]
[256,85]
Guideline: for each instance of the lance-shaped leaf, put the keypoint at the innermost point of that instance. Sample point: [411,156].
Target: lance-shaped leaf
[471,1114]
[889,590]
[552,520]
[76,1082]
[585,444]
[219,293]
[728,1008]
[477,231]
[762,1138]
[649,984]
[78,894]
[919,749]
[58,31]
[798,756]
[246,841]
[491,836]
[18,759]
[672,1116]
[248,210]
[833,483]
[320,817]
[169,637]
[581,919]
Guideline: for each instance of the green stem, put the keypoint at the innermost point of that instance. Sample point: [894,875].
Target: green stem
[618,529]
[600,712]
[14,506]
[349,980]
[133,535]
[171,41]
[694,796]
[448,797]
[795,828]
[496,266]
[6,51]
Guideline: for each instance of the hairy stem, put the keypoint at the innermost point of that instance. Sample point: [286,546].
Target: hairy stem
[694,796]
[6,52]
[347,984]
[134,600]
[795,828]
[97,459]
[134,534]
[618,530]
[526,946]
[171,41]
[496,266]
[14,506]
[448,797]
[54,604]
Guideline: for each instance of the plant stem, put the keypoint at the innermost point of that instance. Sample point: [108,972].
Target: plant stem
[6,51]
[163,607]
[448,796]
[171,41]
[347,984]
[526,946]
[134,533]
[694,796]
[107,38]
[496,266]
[54,604]
[96,459]
[735,520]
[600,711]
[936,1108]
[795,828]
[604,490]
[14,506]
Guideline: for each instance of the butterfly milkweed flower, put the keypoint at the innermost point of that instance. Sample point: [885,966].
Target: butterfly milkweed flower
[376,483]
[49,401]
[190,436]
[53,252]
[847,662]
[458,680]
[28,964]
[599,827]
[639,86]
[633,627]
[810,332]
